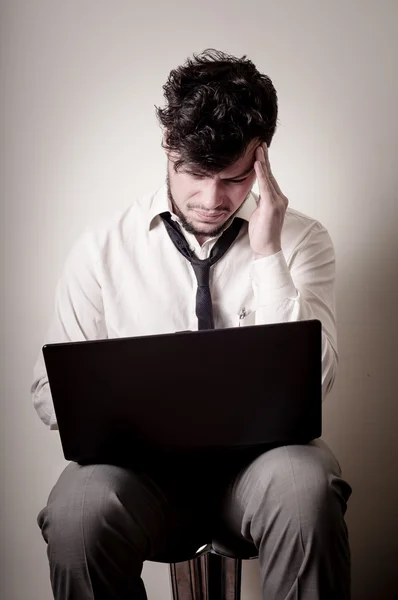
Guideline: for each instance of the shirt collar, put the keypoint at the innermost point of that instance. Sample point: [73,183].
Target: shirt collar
[160,203]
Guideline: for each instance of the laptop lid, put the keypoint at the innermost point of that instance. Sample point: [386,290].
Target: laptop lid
[187,391]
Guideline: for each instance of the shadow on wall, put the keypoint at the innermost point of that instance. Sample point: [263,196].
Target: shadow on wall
[361,414]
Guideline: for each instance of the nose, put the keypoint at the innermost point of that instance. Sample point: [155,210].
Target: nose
[212,197]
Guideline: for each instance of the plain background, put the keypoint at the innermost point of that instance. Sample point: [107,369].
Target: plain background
[79,139]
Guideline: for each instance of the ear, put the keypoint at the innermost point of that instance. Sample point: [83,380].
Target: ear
[164,142]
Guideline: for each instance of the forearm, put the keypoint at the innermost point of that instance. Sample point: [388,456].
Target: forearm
[78,316]
[279,299]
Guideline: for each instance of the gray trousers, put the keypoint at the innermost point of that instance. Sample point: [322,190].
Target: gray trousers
[102,522]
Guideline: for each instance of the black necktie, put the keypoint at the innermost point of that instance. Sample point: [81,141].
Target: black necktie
[204,308]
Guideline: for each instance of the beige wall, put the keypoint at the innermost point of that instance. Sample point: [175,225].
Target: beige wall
[79,138]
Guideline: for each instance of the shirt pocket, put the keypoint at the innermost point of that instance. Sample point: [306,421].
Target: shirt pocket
[246,317]
[234,316]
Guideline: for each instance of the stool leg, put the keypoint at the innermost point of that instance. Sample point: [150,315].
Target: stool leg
[189,579]
[224,578]
[208,577]
[233,578]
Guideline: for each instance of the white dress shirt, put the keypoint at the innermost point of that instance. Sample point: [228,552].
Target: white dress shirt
[126,278]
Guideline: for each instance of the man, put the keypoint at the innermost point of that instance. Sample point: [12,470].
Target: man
[138,275]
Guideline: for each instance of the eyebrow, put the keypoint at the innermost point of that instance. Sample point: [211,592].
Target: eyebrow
[199,172]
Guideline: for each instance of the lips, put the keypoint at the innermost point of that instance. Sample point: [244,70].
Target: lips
[210,217]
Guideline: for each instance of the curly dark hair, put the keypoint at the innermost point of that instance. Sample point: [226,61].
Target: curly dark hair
[216,104]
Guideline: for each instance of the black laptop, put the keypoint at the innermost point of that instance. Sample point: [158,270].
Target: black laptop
[121,400]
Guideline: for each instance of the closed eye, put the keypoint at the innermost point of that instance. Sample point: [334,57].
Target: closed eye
[235,180]
[203,176]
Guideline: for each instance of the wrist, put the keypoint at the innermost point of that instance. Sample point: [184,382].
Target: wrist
[268,251]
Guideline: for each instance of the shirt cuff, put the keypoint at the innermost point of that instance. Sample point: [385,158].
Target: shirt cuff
[271,279]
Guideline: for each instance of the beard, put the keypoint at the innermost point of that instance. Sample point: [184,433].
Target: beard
[189,227]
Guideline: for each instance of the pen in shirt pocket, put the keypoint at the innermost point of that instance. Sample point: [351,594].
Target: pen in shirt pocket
[246,317]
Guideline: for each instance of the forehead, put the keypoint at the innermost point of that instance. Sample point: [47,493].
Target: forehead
[243,163]
[241,166]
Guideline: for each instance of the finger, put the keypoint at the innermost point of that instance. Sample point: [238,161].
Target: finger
[273,182]
[266,192]
[269,170]
[261,158]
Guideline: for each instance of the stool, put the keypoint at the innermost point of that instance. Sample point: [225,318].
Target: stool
[213,573]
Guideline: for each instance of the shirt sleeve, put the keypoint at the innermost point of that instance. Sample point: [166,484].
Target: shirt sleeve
[301,290]
[78,315]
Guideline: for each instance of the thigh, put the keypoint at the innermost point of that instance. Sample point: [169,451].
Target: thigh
[279,477]
[167,512]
